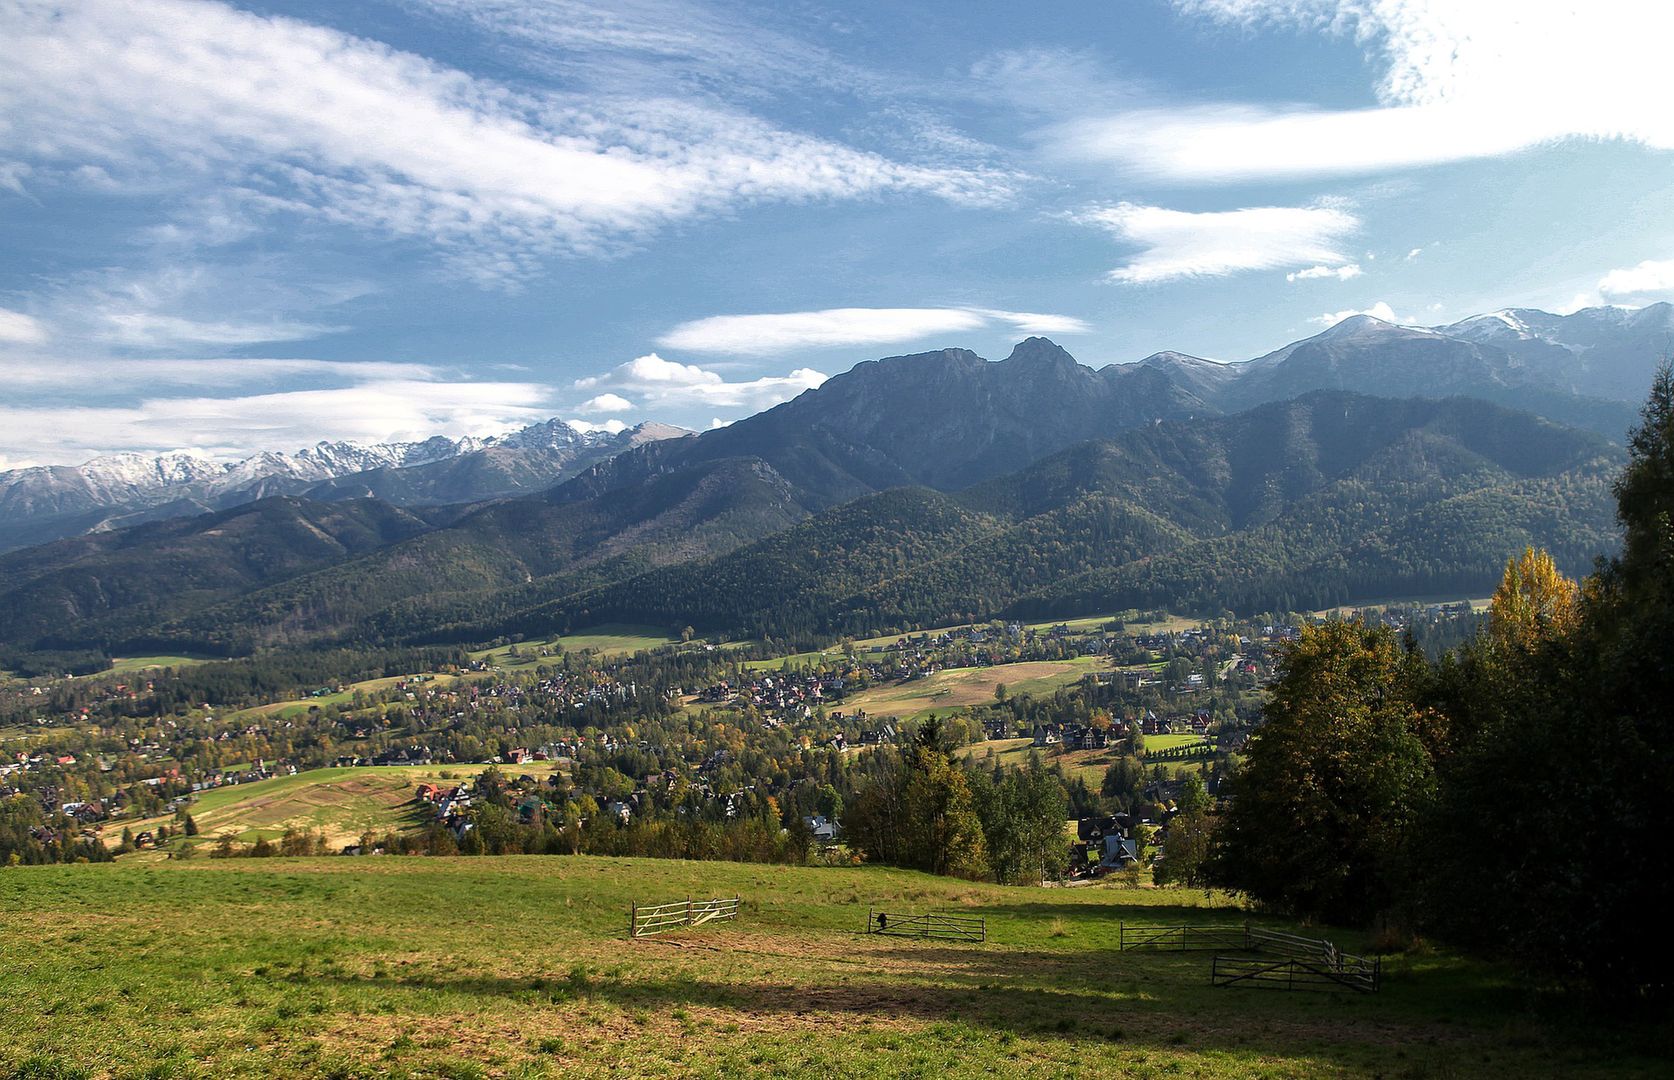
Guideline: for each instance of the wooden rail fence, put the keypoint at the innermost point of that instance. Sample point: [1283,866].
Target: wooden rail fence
[660,918]
[928,925]
[1291,973]
[1183,938]
[1293,962]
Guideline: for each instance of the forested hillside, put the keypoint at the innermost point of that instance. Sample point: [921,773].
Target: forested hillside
[1305,503]
[810,520]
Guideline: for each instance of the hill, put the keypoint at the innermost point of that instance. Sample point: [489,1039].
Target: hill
[1185,507]
[44,503]
[340,803]
[519,967]
[1310,503]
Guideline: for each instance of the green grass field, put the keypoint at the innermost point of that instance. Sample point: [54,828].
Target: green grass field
[341,803]
[958,687]
[1089,765]
[608,639]
[285,710]
[519,967]
[121,665]
[1169,742]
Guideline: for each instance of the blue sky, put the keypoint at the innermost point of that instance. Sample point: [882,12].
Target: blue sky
[240,227]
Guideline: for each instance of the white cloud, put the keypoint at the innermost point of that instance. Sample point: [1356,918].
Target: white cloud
[307,119]
[1034,322]
[1380,310]
[57,373]
[1178,244]
[236,426]
[1653,277]
[668,384]
[147,330]
[1459,81]
[1412,256]
[614,427]
[606,403]
[769,334]
[16,328]
[1341,273]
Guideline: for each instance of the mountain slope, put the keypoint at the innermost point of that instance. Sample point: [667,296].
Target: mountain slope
[1310,500]
[45,503]
[133,581]
[1059,486]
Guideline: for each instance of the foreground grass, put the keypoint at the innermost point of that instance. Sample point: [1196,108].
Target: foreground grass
[519,967]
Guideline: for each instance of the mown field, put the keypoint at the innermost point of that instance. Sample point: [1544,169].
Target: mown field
[1089,765]
[413,967]
[607,639]
[958,687]
[340,803]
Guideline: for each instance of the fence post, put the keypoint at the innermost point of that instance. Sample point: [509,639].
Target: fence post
[688,911]
[633,919]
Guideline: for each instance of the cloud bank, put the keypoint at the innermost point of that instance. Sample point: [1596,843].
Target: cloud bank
[1178,244]
[769,334]
[1457,81]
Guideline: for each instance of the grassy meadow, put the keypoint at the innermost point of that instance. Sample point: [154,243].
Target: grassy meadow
[341,803]
[958,687]
[606,639]
[520,967]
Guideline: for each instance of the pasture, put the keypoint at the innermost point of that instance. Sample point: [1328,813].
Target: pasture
[958,687]
[341,803]
[606,639]
[520,967]
[122,665]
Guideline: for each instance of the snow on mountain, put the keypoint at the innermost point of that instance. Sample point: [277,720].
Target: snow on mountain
[43,502]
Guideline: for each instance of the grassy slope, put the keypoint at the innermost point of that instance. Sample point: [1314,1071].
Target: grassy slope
[955,687]
[609,639]
[472,967]
[124,664]
[341,803]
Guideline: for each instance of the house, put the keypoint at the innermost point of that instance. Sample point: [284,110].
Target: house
[1046,735]
[823,829]
[1077,737]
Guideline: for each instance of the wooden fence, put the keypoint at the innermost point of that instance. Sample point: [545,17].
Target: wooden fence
[1183,938]
[929,925]
[1292,962]
[661,918]
[1292,973]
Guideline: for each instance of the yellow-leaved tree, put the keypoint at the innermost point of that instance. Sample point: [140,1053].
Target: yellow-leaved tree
[1534,603]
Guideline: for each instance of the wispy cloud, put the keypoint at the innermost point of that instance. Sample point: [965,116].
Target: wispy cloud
[780,332]
[144,329]
[1459,81]
[1179,244]
[670,385]
[237,426]
[47,372]
[16,328]
[307,119]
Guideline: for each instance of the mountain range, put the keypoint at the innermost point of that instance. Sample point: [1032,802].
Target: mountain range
[47,502]
[917,490]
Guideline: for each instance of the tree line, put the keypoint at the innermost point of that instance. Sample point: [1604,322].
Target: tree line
[1513,796]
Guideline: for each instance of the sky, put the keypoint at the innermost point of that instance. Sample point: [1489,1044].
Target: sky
[239,227]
